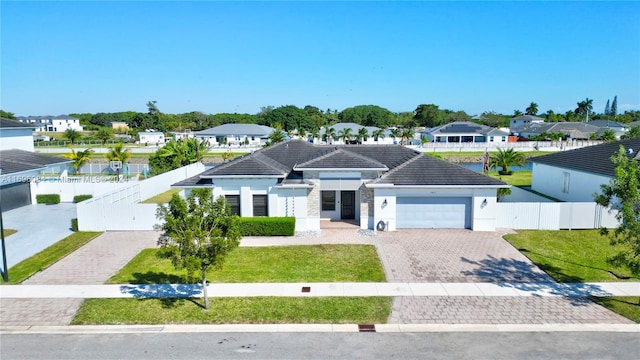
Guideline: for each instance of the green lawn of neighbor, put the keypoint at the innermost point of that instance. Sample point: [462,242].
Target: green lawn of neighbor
[302,263]
[47,257]
[162,198]
[517,178]
[245,310]
[577,256]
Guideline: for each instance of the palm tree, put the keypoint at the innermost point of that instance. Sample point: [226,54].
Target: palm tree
[532,109]
[584,108]
[607,135]
[276,136]
[314,133]
[396,133]
[505,158]
[406,135]
[79,158]
[104,134]
[378,134]
[118,153]
[346,135]
[363,135]
[633,132]
[330,134]
[73,135]
[195,150]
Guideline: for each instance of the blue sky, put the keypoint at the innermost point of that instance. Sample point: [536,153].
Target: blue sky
[68,57]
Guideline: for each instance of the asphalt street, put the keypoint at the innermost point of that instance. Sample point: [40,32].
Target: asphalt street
[448,345]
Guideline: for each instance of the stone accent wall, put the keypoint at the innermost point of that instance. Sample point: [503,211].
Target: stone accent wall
[366,197]
[313,195]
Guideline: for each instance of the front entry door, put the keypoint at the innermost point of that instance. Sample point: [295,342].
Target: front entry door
[348,205]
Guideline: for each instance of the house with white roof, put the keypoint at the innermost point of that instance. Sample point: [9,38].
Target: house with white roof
[465,132]
[48,123]
[236,135]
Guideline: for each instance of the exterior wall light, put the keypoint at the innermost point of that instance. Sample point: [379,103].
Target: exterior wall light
[484,203]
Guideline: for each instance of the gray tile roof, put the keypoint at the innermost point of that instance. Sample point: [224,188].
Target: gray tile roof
[633,124]
[194,181]
[8,123]
[237,129]
[16,161]
[340,158]
[427,170]
[593,159]
[574,130]
[462,127]
[527,117]
[288,159]
[606,124]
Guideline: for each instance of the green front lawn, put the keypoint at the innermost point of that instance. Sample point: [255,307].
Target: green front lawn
[47,257]
[246,310]
[577,256]
[518,178]
[161,198]
[313,263]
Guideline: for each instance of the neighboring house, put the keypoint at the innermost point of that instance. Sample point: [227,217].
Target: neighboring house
[633,124]
[179,135]
[48,123]
[120,126]
[618,128]
[378,186]
[576,175]
[236,134]
[340,127]
[19,165]
[570,130]
[466,132]
[151,137]
[522,121]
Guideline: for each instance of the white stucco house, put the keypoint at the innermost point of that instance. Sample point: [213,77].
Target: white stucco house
[19,165]
[522,121]
[236,135]
[376,186]
[339,129]
[576,175]
[48,123]
[151,137]
[466,132]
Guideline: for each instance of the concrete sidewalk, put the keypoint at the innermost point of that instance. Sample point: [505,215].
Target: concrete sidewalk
[573,290]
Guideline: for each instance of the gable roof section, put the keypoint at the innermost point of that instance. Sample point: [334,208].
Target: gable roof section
[237,129]
[574,129]
[606,124]
[13,124]
[425,170]
[593,159]
[16,161]
[341,159]
[391,156]
[528,118]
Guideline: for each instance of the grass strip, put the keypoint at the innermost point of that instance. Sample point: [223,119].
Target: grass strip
[245,310]
[161,198]
[626,306]
[47,257]
[300,263]
[570,256]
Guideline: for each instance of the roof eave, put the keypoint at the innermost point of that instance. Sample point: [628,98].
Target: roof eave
[241,176]
[389,186]
[340,169]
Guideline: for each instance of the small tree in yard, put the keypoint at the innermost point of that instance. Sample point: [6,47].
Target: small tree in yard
[198,233]
[623,195]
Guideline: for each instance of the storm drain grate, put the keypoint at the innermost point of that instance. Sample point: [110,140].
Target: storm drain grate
[366,328]
[306,289]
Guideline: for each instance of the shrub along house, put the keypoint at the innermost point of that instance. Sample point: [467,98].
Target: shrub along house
[377,186]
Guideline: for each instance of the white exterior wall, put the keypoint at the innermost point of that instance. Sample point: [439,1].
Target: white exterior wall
[21,139]
[554,216]
[62,125]
[151,138]
[549,180]
[483,218]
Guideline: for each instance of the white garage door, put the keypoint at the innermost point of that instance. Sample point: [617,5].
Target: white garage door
[433,213]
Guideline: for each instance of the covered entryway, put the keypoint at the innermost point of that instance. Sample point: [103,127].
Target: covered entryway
[13,196]
[433,213]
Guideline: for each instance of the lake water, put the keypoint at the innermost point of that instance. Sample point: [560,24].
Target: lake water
[477,167]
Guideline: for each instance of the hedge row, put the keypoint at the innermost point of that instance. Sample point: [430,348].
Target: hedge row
[48,199]
[267,226]
[78,198]
[74,224]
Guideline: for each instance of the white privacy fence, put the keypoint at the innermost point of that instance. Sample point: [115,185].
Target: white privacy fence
[554,216]
[520,145]
[120,209]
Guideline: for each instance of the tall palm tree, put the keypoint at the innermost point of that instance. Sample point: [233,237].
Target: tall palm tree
[406,135]
[330,134]
[396,133]
[194,150]
[505,158]
[363,135]
[532,109]
[584,108]
[79,158]
[119,153]
[346,135]
[378,134]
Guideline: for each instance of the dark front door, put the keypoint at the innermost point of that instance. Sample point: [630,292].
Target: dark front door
[348,205]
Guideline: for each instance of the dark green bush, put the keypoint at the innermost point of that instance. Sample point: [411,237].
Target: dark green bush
[267,226]
[48,199]
[78,198]
[74,224]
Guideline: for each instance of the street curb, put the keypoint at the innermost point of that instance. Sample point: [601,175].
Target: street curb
[327,328]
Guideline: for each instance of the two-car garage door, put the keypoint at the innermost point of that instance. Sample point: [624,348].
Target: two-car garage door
[433,212]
